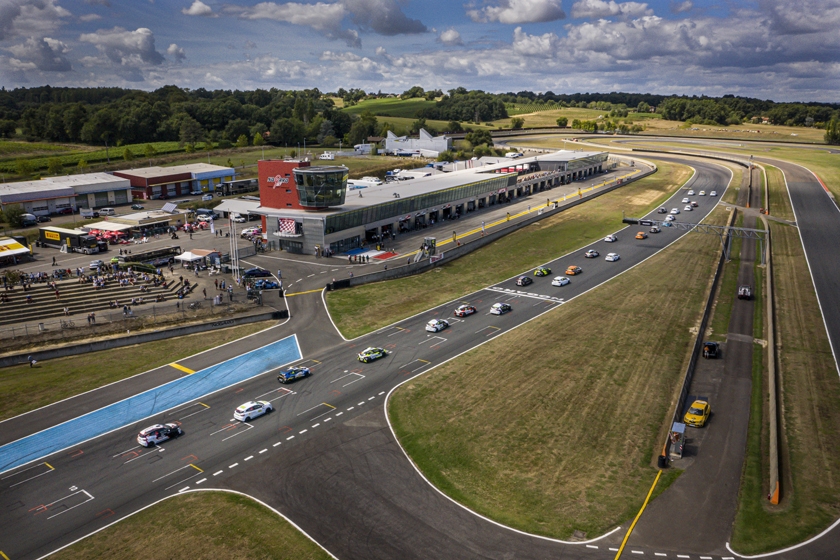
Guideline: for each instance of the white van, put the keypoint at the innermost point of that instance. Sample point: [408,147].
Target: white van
[107,212]
[327,155]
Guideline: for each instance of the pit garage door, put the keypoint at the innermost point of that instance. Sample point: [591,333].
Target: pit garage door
[101,199]
[121,197]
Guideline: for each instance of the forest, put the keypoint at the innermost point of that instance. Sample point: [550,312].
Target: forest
[116,116]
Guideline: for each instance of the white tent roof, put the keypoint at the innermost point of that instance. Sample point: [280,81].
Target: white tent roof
[186,256]
[107,226]
[10,247]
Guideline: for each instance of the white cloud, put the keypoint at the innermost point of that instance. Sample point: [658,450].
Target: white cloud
[90,17]
[801,17]
[450,37]
[381,51]
[594,9]
[519,11]
[322,17]
[534,45]
[176,52]
[125,48]
[198,8]
[44,54]
[29,17]
[682,7]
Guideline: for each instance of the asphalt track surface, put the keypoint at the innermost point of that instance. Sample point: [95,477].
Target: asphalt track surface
[65,496]
[325,457]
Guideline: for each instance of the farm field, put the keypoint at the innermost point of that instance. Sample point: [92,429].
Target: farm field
[390,107]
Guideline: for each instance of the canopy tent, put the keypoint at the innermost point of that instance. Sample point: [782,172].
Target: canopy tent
[187,256]
[10,248]
[107,226]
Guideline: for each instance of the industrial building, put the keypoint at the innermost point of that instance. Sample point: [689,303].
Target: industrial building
[166,182]
[426,145]
[307,209]
[57,195]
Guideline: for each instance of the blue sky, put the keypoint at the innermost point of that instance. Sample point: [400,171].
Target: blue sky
[771,49]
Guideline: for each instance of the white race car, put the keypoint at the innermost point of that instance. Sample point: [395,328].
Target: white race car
[611,238]
[560,281]
[612,257]
[437,325]
[251,410]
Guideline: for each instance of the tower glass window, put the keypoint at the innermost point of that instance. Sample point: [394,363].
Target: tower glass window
[321,187]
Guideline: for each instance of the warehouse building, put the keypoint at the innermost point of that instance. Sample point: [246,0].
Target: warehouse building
[426,145]
[307,209]
[63,195]
[166,182]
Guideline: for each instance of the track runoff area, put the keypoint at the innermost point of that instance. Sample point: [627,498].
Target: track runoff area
[60,497]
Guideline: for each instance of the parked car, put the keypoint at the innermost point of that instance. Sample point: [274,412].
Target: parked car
[256,273]
[196,193]
[711,349]
[158,433]
[136,206]
[64,211]
[207,197]
[266,285]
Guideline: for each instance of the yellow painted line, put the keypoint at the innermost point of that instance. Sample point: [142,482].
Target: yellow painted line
[424,361]
[3,555]
[204,405]
[52,468]
[316,361]
[329,405]
[182,368]
[301,293]
[196,468]
[632,525]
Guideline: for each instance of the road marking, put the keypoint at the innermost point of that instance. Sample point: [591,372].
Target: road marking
[683,556]
[382,392]
[263,451]
[200,481]
[360,404]
[638,515]
[233,465]
[370,399]
[316,425]
[276,444]
[301,293]
[349,409]
[112,456]
[327,420]
[290,437]
[193,413]
[705,558]
[303,431]
[182,368]
[359,378]
[184,489]
[249,457]
[50,467]
[217,473]
[637,552]
[339,413]
[659,554]
[591,546]
[3,555]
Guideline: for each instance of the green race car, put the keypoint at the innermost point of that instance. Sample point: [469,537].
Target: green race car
[370,354]
[542,271]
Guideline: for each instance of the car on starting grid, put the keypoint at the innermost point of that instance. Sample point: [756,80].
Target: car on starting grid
[158,433]
[293,373]
[437,325]
[251,410]
[373,353]
[464,310]
[500,308]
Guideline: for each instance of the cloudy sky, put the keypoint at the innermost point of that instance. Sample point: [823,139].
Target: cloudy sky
[783,50]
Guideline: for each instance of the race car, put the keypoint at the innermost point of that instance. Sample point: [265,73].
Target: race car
[542,271]
[560,281]
[158,434]
[612,257]
[523,281]
[369,354]
[641,235]
[251,410]
[572,270]
[591,254]
[437,325]
[611,238]
[464,310]
[293,373]
[500,308]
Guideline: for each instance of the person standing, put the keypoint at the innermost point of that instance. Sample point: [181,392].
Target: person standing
[31,361]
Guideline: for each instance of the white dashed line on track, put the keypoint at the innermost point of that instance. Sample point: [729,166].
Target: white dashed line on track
[303,431]
[184,489]
[637,552]
[591,546]
[339,413]
[349,409]
[200,481]
[233,465]
[360,404]
[290,437]
[683,556]
[327,420]
[381,393]
[263,451]
[316,425]
[249,457]
[659,554]
[370,399]
[218,473]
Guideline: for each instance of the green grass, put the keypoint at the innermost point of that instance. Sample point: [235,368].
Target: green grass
[365,308]
[541,447]
[16,149]
[719,324]
[24,388]
[391,107]
[199,525]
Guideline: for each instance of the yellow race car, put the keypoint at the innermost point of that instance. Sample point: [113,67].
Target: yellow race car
[698,413]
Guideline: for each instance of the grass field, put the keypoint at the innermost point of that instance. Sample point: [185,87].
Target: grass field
[384,303]
[391,107]
[559,435]
[199,525]
[24,388]
[810,393]
[727,289]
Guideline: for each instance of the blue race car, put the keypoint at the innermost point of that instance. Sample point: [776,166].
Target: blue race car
[266,285]
[292,374]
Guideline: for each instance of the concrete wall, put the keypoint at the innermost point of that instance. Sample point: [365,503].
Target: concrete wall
[96,346]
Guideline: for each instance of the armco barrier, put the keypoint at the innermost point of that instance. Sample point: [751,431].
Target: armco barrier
[469,246]
[96,346]
[772,390]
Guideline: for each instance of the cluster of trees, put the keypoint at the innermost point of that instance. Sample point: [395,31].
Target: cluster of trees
[466,106]
[735,110]
[606,126]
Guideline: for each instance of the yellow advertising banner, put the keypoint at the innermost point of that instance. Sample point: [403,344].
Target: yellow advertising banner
[52,235]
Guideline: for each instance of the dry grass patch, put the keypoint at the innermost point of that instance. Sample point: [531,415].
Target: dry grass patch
[25,388]
[366,308]
[558,435]
[199,525]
